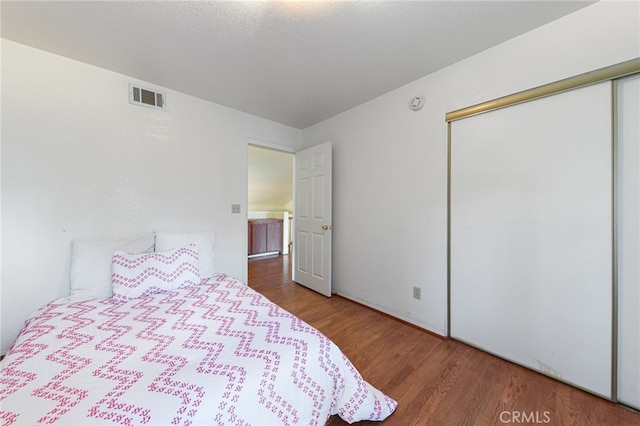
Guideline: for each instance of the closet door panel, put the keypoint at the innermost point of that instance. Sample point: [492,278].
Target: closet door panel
[629,241]
[531,235]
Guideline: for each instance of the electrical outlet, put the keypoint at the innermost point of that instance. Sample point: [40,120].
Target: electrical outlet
[417,293]
[235,208]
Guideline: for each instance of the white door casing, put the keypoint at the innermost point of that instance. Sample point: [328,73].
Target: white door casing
[312,229]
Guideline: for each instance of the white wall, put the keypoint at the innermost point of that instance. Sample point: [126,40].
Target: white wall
[390,183]
[78,161]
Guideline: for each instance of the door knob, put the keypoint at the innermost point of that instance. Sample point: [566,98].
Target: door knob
[326,227]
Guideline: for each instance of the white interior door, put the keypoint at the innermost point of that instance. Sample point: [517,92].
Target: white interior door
[312,218]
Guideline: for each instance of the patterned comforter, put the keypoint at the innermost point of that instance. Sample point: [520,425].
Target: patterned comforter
[217,353]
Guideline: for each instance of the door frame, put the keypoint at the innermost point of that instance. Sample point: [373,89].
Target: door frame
[275,147]
[266,145]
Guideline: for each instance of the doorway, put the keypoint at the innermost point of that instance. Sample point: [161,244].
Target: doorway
[269,201]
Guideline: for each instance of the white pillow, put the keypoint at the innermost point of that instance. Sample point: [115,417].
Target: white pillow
[205,241]
[141,274]
[90,275]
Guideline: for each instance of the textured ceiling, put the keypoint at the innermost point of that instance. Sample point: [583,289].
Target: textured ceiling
[292,62]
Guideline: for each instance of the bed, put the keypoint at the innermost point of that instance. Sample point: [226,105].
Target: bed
[195,351]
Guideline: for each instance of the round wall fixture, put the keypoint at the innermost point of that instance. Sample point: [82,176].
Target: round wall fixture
[416,103]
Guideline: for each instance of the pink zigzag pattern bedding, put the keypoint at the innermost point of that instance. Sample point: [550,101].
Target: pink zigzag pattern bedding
[217,353]
[136,275]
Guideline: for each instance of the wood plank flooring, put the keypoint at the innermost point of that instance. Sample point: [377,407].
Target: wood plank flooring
[436,381]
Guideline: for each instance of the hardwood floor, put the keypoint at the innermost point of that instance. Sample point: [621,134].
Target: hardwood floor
[435,380]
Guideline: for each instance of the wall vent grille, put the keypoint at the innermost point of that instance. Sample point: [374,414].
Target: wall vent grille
[145,97]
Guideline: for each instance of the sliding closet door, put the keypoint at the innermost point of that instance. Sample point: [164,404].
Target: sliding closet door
[629,241]
[531,234]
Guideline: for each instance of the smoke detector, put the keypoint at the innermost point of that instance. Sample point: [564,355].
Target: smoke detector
[416,103]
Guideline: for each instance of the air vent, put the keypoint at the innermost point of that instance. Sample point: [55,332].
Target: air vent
[146,97]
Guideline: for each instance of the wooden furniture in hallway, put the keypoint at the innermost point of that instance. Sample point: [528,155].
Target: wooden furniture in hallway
[265,236]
